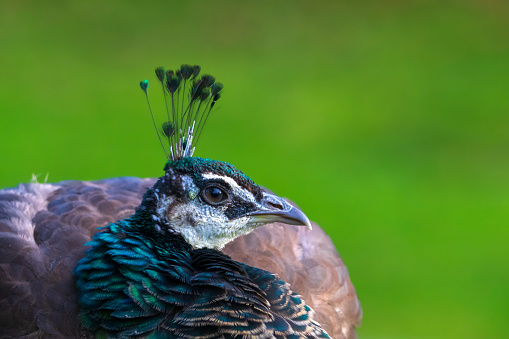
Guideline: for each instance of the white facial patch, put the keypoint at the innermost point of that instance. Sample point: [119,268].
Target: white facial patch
[237,190]
[204,226]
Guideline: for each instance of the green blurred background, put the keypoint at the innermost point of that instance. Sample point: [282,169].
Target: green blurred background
[386,121]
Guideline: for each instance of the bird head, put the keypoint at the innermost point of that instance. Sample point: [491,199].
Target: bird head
[210,203]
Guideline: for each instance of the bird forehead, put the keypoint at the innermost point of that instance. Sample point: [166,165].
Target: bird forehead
[236,188]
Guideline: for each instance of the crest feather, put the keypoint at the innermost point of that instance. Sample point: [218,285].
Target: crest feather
[189,99]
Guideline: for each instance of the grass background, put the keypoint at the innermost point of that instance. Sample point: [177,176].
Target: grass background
[386,121]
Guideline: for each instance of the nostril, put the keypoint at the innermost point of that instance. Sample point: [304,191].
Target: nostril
[274,205]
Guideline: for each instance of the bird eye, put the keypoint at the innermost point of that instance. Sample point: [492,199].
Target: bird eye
[214,195]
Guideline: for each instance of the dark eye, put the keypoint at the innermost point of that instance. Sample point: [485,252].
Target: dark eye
[214,195]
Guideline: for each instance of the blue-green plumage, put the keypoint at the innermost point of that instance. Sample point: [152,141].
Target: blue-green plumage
[138,279]
[159,273]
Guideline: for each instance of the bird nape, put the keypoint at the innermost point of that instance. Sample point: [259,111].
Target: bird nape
[189,263]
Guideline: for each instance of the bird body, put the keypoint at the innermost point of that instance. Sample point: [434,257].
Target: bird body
[164,271]
[149,273]
[43,228]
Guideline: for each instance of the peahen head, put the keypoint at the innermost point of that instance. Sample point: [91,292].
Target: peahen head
[210,203]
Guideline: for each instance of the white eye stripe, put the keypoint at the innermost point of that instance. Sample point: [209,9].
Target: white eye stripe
[237,190]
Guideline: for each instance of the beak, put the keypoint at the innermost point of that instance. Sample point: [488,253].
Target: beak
[275,209]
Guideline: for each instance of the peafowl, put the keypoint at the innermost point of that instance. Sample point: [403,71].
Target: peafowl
[185,258]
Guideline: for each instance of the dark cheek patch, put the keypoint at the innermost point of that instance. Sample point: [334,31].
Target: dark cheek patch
[239,208]
[189,219]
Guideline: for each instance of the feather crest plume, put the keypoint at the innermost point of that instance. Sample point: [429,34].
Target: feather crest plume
[189,99]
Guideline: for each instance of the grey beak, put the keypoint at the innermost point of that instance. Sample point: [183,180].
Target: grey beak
[276,209]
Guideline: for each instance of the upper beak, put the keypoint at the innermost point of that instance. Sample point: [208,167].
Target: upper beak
[275,209]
